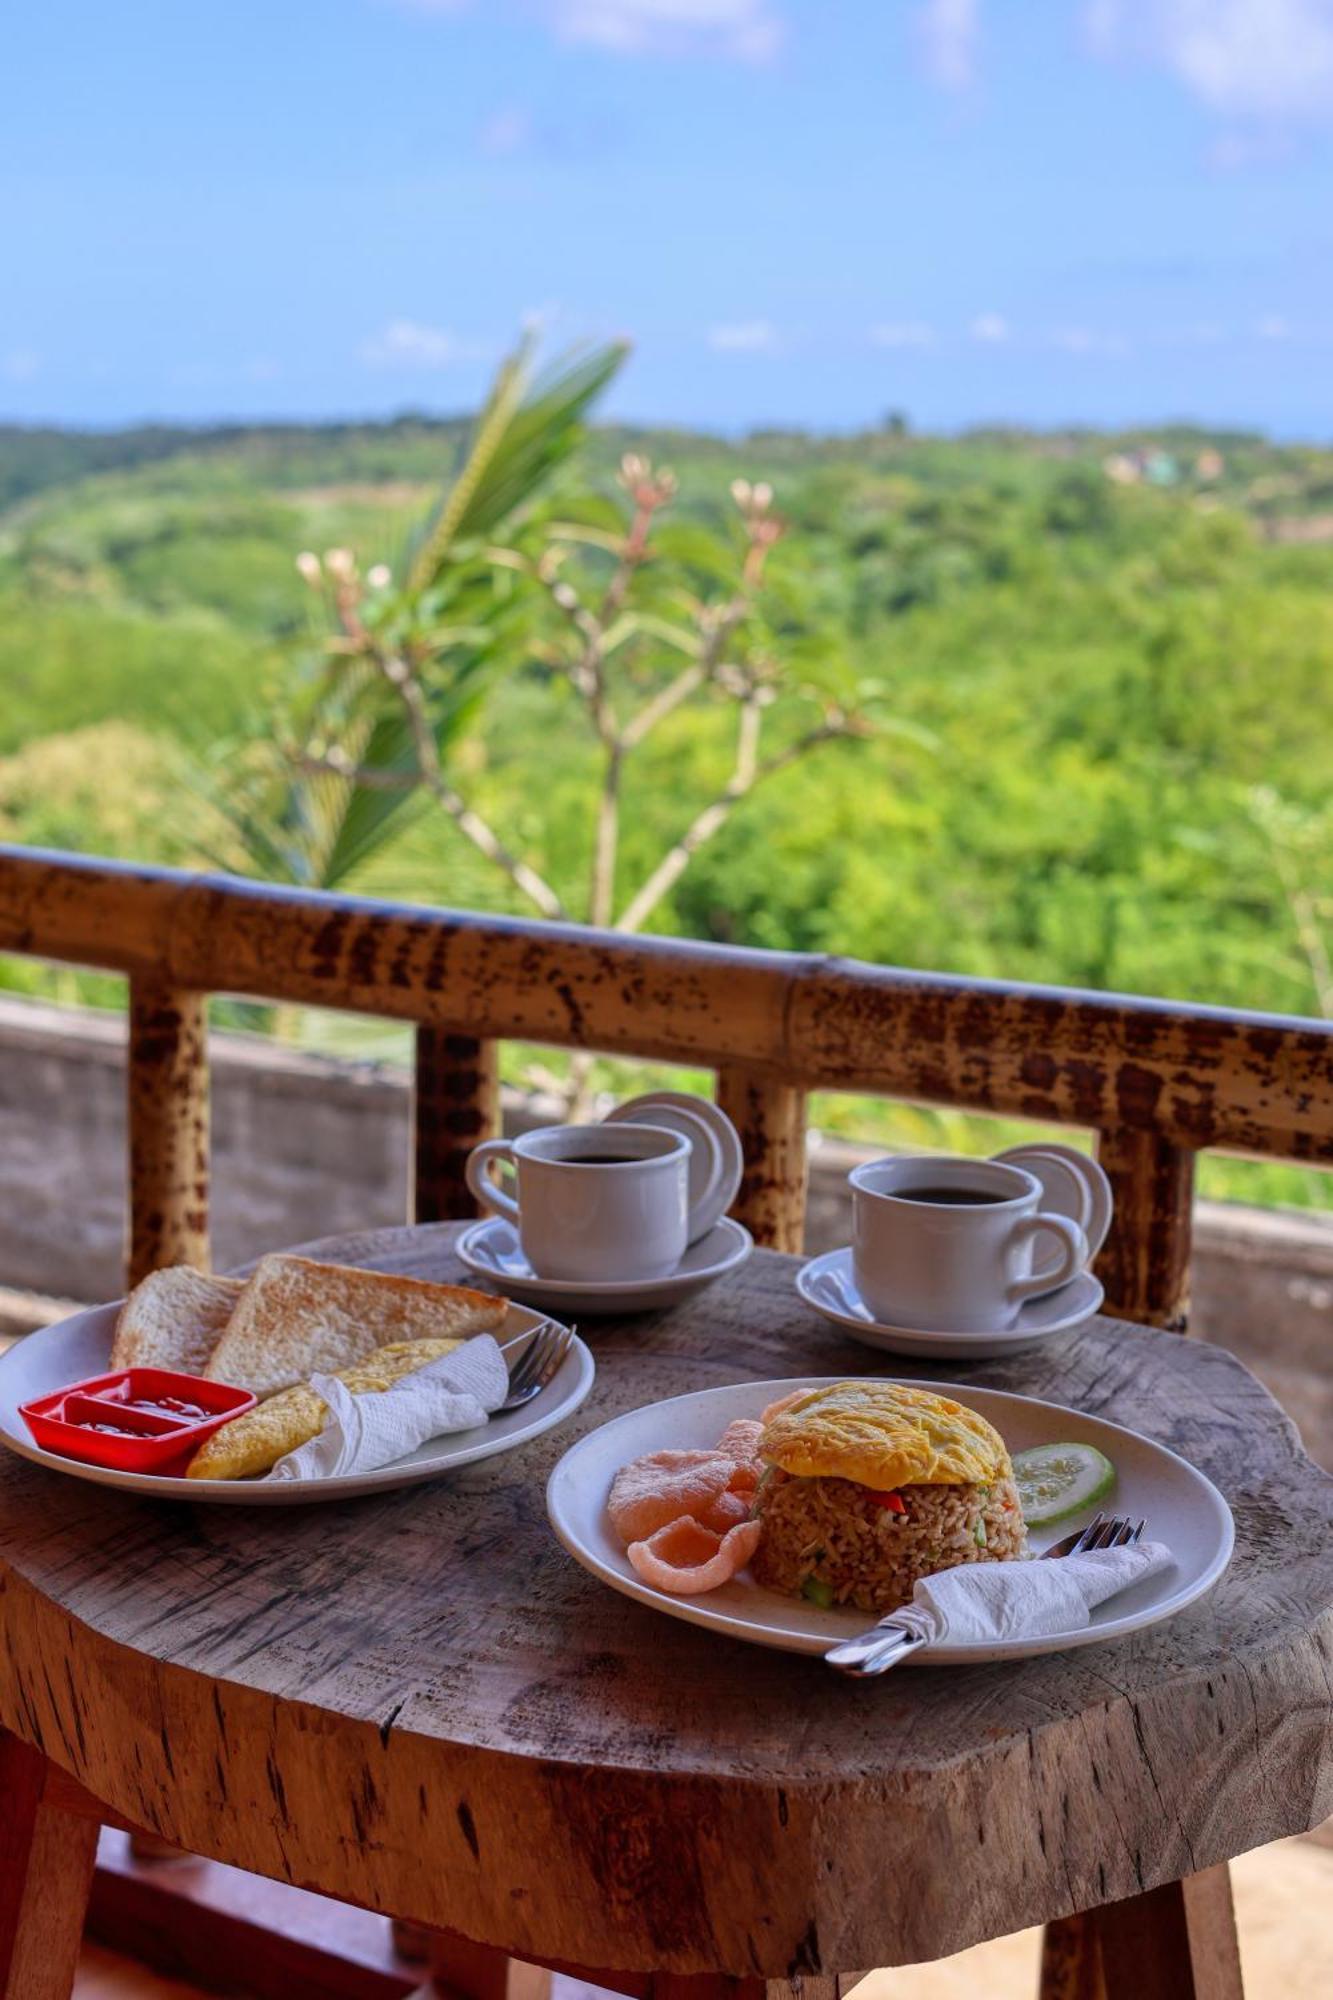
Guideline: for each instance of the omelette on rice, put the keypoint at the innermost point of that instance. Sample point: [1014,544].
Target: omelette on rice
[869,1485]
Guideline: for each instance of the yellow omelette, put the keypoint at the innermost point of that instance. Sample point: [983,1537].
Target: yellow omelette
[254,1442]
[883,1435]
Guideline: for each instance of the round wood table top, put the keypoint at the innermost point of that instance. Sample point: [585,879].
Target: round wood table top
[417,1701]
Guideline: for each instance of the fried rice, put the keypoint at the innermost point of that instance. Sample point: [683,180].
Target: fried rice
[836,1542]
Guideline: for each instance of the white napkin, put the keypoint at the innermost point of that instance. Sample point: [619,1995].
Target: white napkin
[361,1433]
[978,1603]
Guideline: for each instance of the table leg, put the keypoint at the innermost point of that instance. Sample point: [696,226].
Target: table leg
[467,1971]
[714,1986]
[46,1872]
[1071,1961]
[1173,1943]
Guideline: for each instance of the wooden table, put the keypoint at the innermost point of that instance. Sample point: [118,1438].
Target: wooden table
[419,1703]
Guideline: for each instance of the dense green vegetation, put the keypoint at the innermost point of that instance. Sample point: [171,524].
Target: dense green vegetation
[1112,657]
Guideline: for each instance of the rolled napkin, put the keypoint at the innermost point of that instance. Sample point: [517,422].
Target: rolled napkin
[979,1604]
[986,1603]
[363,1432]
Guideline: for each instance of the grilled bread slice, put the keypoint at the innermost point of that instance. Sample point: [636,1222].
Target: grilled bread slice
[174,1319]
[254,1442]
[296,1318]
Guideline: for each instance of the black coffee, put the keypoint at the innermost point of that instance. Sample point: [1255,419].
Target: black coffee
[950,1197]
[600,1159]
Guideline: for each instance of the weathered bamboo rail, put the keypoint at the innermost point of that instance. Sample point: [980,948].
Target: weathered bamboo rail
[1157,1082]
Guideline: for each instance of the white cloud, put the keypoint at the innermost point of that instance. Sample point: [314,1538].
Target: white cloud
[406,343]
[1233,152]
[1087,340]
[21,364]
[1247,58]
[508,130]
[742,30]
[902,333]
[747,336]
[1273,327]
[989,326]
[948,31]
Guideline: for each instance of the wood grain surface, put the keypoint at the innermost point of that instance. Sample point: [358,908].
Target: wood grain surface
[420,1703]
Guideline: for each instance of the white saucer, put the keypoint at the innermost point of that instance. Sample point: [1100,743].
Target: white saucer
[1063,1173]
[716,1158]
[827,1284]
[490,1249]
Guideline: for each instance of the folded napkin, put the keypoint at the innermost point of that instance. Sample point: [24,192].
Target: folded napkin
[980,1603]
[363,1432]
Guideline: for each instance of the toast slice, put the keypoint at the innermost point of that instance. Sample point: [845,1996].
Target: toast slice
[296,1318]
[173,1320]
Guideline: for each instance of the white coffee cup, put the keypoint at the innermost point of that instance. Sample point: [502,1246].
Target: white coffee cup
[950,1264]
[596,1203]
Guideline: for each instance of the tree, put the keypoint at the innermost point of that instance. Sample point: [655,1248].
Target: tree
[636,624]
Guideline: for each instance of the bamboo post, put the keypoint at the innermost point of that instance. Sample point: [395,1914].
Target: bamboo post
[1144,1264]
[455,1105]
[168,1127]
[770,1116]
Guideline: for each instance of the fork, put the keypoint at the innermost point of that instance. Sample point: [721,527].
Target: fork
[546,1349]
[885,1644]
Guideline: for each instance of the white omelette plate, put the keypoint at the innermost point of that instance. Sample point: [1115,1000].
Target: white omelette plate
[76,1348]
[827,1283]
[491,1250]
[1182,1509]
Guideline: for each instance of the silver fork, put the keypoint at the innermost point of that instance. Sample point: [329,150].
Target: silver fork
[547,1346]
[885,1644]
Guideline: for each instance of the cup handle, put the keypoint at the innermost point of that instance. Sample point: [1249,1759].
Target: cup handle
[1075,1255]
[480,1182]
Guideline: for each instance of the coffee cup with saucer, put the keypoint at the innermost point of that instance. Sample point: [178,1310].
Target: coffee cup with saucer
[602,1221]
[943,1257]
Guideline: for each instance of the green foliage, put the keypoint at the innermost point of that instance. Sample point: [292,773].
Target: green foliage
[1124,690]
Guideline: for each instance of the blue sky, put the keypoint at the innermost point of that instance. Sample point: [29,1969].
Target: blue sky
[800,211]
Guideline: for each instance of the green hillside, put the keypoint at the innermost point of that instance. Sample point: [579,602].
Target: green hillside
[1111,657]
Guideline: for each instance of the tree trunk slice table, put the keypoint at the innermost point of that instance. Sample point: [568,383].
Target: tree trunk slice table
[419,1703]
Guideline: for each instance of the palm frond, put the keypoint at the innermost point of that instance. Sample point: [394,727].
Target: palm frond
[526,429]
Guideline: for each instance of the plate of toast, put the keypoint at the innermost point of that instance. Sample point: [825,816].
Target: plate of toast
[264,1336]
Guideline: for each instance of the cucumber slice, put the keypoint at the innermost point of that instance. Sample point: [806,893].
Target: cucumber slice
[1057,1480]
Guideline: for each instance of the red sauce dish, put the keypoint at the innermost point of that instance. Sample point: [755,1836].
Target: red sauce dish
[136,1420]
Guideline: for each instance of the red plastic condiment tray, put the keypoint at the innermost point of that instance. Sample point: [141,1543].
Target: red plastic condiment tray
[153,1439]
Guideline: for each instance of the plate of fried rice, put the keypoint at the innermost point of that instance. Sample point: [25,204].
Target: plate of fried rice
[794,1513]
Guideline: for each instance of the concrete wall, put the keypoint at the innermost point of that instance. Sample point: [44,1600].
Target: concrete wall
[304,1146]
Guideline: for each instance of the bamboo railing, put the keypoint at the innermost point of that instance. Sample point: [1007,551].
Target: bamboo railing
[1157,1082]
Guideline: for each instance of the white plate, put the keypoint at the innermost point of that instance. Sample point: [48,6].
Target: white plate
[827,1284]
[491,1250]
[76,1348]
[715,1145]
[1063,1172]
[1182,1509]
